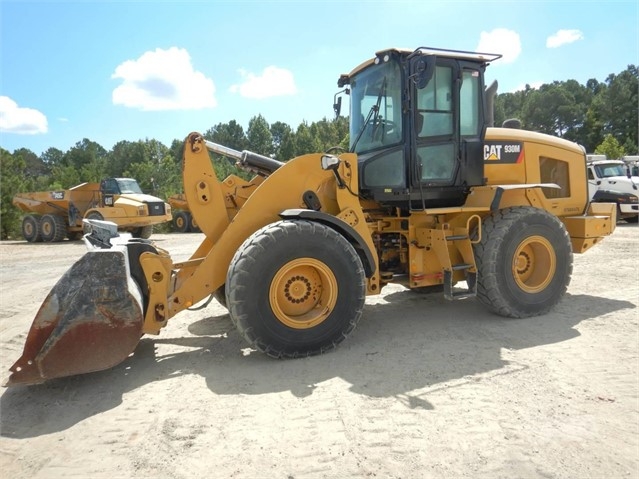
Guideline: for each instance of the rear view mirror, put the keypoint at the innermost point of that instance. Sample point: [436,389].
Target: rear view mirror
[337,105]
[422,69]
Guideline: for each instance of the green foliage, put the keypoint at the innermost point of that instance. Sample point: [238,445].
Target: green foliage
[584,114]
[611,148]
[260,139]
[281,134]
[305,142]
[602,116]
[12,181]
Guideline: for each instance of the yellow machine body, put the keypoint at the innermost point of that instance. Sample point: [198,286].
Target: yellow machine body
[293,252]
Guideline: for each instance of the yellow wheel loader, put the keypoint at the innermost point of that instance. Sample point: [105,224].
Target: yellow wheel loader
[428,196]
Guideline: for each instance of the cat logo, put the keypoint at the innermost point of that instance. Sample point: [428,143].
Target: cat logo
[492,152]
[495,151]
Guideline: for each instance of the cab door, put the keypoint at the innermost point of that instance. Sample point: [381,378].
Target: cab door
[448,130]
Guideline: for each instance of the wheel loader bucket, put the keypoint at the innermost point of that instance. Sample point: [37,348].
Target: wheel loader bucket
[91,320]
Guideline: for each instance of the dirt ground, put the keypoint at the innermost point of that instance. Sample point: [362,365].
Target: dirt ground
[423,388]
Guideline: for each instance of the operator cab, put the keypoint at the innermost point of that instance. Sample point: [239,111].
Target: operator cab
[417,122]
[120,186]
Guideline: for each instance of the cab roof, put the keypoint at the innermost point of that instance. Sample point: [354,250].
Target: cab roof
[440,52]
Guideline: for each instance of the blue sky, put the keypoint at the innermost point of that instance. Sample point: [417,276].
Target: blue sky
[131,70]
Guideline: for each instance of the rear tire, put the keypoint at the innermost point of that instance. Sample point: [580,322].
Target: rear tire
[295,288]
[524,262]
[181,222]
[193,227]
[31,228]
[53,228]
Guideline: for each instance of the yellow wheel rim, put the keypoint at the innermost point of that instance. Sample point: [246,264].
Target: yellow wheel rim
[179,222]
[46,228]
[303,293]
[534,264]
[29,228]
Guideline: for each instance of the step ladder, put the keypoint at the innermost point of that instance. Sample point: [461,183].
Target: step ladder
[455,245]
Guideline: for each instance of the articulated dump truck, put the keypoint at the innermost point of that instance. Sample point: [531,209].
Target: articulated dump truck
[183,221]
[51,216]
[429,195]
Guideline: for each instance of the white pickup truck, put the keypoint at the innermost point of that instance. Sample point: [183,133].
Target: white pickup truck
[611,181]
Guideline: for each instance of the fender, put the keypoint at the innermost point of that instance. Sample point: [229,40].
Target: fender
[342,228]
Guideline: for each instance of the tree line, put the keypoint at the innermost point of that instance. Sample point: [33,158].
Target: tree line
[601,116]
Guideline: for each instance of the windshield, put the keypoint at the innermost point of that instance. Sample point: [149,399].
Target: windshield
[129,186]
[606,171]
[376,117]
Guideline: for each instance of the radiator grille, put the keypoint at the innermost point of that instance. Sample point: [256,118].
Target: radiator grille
[156,208]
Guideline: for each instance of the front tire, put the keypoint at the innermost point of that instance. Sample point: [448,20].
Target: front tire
[524,262]
[295,288]
[143,232]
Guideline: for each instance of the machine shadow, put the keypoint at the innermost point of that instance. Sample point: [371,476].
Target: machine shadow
[433,341]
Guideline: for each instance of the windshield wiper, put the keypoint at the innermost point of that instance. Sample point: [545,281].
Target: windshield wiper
[361,131]
[374,110]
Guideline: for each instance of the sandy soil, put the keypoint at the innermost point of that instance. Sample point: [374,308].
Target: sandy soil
[424,388]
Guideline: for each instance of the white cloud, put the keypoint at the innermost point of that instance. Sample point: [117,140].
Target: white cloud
[273,81]
[563,37]
[163,80]
[20,120]
[503,41]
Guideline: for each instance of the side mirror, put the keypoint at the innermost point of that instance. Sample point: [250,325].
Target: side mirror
[337,101]
[337,105]
[422,69]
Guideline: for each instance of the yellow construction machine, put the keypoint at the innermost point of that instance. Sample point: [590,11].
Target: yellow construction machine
[428,196]
[52,216]
[183,221]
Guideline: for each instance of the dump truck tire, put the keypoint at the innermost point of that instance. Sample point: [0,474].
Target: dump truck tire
[193,227]
[31,228]
[53,229]
[524,262]
[295,288]
[144,232]
[181,222]
[94,215]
